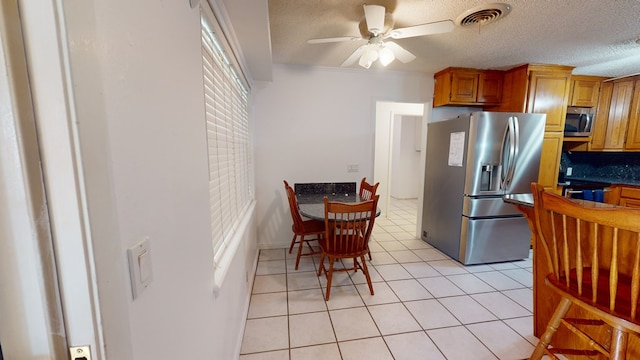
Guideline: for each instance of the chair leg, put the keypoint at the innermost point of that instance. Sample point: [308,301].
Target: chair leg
[365,270]
[619,341]
[329,278]
[293,242]
[370,255]
[552,327]
[299,250]
[321,267]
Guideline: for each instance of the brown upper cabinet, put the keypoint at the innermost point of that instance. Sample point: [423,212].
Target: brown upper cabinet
[633,132]
[585,90]
[537,88]
[470,87]
[616,126]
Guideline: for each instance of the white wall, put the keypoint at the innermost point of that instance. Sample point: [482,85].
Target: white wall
[313,122]
[407,131]
[136,99]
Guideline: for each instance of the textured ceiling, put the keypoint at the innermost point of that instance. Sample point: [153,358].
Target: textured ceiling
[598,37]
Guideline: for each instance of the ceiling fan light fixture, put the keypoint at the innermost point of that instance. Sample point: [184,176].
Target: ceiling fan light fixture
[371,54]
[386,56]
[365,64]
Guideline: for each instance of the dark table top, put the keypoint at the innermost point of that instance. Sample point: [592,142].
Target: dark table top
[312,205]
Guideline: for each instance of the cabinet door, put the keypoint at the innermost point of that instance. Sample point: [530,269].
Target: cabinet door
[634,203]
[490,87]
[633,133]
[464,86]
[630,197]
[548,94]
[584,92]
[619,111]
[599,132]
[550,160]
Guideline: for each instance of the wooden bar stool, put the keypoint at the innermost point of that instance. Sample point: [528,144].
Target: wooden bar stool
[593,253]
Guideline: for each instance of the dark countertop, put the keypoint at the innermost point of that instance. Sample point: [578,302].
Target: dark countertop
[519,199]
[526,200]
[599,181]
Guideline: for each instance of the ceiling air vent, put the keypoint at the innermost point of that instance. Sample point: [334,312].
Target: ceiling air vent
[483,14]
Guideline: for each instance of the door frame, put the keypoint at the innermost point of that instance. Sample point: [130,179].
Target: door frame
[39,106]
[386,112]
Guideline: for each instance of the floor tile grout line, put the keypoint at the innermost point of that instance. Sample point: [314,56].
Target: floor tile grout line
[445,275]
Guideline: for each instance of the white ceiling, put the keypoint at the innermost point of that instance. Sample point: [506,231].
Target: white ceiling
[598,37]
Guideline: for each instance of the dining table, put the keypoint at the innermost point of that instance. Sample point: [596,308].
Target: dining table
[310,197]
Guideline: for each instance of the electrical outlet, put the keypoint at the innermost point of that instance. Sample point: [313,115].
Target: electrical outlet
[353,168]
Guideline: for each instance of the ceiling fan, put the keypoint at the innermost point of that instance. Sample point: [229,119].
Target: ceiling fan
[376,27]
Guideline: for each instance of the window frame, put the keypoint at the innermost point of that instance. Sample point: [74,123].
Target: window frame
[228,139]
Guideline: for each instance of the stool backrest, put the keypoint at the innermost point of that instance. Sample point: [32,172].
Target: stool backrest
[592,250]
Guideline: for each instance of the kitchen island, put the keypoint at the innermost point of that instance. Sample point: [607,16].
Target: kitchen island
[545,300]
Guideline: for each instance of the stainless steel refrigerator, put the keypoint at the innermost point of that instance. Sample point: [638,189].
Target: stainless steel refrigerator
[471,162]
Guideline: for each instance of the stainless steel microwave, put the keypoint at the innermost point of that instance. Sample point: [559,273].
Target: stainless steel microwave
[579,121]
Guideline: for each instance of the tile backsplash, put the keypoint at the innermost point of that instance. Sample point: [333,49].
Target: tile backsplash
[610,167]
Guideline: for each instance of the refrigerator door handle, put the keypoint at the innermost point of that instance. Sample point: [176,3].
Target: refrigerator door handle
[507,139]
[515,145]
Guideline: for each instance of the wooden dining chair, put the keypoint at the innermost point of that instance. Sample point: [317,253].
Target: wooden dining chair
[304,231]
[593,260]
[348,228]
[367,192]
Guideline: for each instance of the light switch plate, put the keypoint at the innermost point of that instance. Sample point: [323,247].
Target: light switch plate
[140,267]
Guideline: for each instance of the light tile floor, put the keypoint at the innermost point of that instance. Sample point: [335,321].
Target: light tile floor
[426,305]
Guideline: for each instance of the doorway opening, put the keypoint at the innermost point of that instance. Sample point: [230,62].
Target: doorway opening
[394,123]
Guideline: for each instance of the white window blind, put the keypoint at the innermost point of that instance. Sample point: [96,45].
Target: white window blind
[228,140]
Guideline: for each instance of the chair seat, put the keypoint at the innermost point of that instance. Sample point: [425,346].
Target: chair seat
[623,300]
[311,227]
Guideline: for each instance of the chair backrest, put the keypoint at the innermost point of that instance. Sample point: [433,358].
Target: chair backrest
[348,226]
[589,247]
[367,191]
[293,206]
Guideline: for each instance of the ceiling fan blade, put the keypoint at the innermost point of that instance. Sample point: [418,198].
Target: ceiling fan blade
[375,18]
[355,56]
[399,52]
[421,30]
[332,40]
